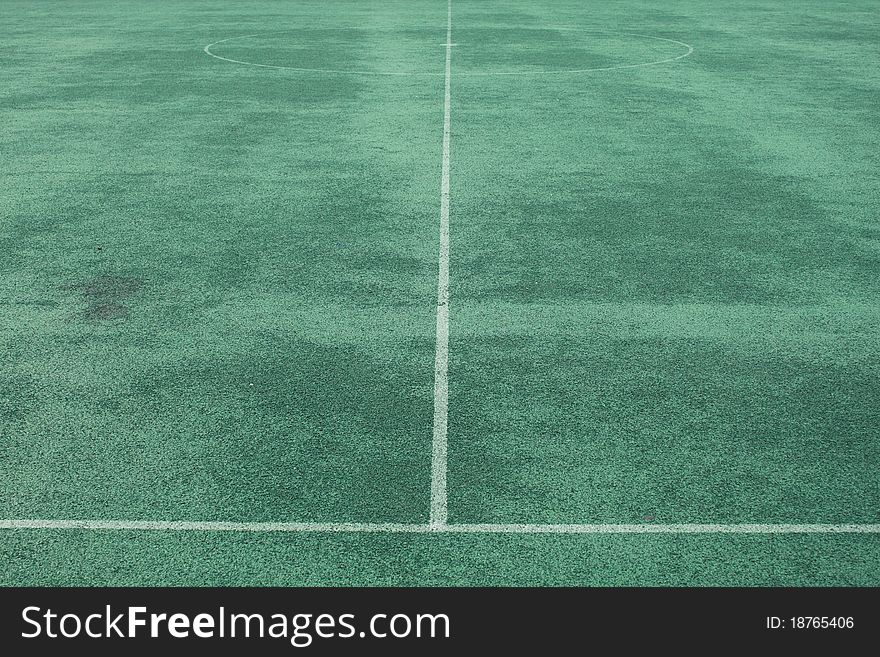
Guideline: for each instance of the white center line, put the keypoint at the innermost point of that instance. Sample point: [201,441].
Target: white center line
[441,357]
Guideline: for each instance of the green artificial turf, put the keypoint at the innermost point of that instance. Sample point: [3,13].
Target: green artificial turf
[218,288]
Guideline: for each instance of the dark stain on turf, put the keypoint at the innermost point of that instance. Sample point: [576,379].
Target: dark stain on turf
[107,311]
[105,295]
[108,288]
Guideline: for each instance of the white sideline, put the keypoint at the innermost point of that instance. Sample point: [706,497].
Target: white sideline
[403,528]
[441,357]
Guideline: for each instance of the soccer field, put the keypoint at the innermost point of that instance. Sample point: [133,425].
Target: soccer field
[439,292]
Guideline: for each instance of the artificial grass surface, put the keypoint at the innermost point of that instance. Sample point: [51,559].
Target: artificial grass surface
[666,301]
[219,300]
[231,559]
[218,288]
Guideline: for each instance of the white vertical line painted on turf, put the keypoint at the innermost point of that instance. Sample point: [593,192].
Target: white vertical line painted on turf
[441,356]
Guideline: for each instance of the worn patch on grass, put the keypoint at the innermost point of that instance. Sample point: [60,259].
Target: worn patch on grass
[107,311]
[111,287]
[104,296]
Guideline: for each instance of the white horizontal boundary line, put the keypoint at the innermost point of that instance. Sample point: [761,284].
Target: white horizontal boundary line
[404,528]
